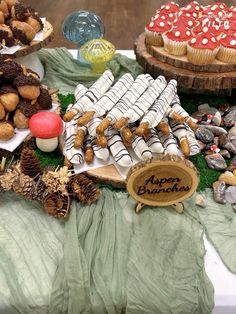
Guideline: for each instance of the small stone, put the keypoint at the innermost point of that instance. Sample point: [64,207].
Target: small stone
[230,118]
[203,108]
[224,107]
[200,201]
[224,141]
[230,194]
[217,118]
[204,135]
[216,140]
[219,188]
[212,110]
[232,131]
[216,130]
[224,153]
[216,161]
[197,115]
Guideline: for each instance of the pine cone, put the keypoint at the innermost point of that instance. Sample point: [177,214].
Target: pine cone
[24,185]
[7,180]
[29,163]
[57,205]
[56,181]
[84,189]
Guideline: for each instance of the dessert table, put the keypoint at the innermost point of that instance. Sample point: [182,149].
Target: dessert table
[223,280]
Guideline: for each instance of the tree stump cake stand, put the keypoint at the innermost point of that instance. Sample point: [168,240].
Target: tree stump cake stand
[216,78]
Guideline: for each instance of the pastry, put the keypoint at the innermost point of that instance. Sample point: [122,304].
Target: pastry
[27,86]
[6,131]
[10,3]
[44,100]
[9,70]
[19,12]
[24,112]
[2,112]
[227,51]
[4,8]
[34,21]
[2,18]
[202,49]
[8,97]
[23,32]
[6,36]
[175,40]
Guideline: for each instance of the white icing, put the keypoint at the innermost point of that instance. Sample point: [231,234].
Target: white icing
[204,41]
[205,29]
[177,34]
[167,7]
[190,23]
[197,8]
[193,40]
[188,33]
[151,24]
[162,24]
[213,39]
[233,42]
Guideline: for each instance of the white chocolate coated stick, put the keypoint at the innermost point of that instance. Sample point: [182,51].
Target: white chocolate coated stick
[100,152]
[75,156]
[146,100]
[154,143]
[170,144]
[80,90]
[110,98]
[193,144]
[140,147]
[92,125]
[117,148]
[161,105]
[130,97]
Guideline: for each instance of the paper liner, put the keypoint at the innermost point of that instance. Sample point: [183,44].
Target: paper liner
[176,48]
[153,38]
[226,54]
[199,56]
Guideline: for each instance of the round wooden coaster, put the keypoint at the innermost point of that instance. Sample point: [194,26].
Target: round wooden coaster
[34,45]
[188,80]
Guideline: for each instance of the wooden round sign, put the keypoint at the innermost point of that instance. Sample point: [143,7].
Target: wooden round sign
[163,182]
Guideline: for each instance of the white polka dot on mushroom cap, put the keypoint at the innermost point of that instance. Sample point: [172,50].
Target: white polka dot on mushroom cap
[151,24]
[233,42]
[162,24]
[193,40]
[171,14]
[221,6]
[190,23]
[197,8]
[226,26]
[204,41]
[223,36]
[230,15]
[205,29]
[177,34]
[188,7]
[167,7]
[188,33]
[213,39]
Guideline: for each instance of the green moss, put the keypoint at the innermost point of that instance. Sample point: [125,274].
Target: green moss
[207,176]
[66,100]
[52,159]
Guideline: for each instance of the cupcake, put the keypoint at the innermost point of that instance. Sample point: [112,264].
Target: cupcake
[227,51]
[193,8]
[202,49]
[154,31]
[169,7]
[175,40]
[185,20]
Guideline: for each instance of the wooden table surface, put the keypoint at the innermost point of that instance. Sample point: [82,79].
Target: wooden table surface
[124,19]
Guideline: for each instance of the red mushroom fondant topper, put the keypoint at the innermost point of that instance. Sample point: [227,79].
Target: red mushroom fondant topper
[46,127]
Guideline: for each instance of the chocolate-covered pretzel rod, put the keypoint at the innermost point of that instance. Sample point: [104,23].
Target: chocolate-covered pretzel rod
[74,155]
[130,97]
[180,132]
[140,147]
[93,94]
[117,148]
[153,142]
[144,102]
[100,152]
[108,100]
[88,149]
[193,144]
[157,111]
[74,109]
[169,143]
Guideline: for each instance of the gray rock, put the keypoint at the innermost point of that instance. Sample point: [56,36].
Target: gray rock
[230,194]
[200,201]
[216,140]
[201,145]
[224,153]
[212,110]
[203,108]
[232,131]
[219,188]
[216,161]
[217,118]
[204,135]
[230,118]
[224,142]
[216,130]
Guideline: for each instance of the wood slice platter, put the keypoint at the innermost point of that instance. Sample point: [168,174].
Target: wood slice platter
[107,175]
[189,78]
[34,45]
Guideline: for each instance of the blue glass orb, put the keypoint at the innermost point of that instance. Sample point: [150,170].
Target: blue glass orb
[82,26]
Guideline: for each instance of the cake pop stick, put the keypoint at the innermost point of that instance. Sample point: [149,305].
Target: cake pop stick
[108,100]
[157,111]
[153,142]
[130,97]
[74,155]
[86,101]
[169,143]
[117,148]
[144,102]
[180,132]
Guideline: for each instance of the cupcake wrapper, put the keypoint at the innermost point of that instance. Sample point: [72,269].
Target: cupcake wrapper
[176,48]
[154,39]
[227,55]
[201,56]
